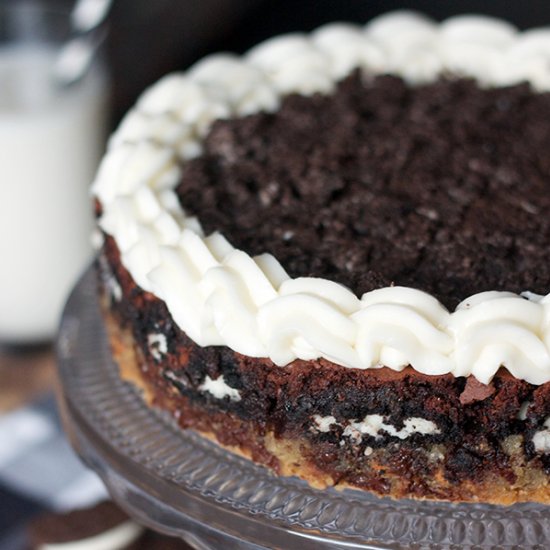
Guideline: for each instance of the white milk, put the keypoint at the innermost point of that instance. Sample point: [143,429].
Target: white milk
[50,144]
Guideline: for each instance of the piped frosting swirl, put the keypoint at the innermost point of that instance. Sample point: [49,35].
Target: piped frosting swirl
[220,295]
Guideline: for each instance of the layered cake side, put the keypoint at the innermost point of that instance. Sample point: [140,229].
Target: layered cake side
[422,193]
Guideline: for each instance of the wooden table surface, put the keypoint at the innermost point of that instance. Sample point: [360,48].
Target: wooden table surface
[25,376]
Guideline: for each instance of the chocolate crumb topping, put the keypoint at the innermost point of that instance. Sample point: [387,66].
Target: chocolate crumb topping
[444,187]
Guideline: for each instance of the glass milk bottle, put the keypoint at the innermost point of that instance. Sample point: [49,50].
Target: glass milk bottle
[51,139]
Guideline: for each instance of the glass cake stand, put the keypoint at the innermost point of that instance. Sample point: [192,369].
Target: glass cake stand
[179,483]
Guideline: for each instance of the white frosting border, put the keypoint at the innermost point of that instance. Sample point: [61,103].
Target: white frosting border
[220,295]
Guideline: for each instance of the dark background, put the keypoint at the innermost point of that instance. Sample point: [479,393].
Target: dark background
[152,37]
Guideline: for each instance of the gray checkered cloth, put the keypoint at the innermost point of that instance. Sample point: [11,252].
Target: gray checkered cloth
[39,471]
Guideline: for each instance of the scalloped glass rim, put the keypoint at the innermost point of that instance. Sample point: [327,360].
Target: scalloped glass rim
[180,483]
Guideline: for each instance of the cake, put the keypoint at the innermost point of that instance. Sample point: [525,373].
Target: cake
[329,255]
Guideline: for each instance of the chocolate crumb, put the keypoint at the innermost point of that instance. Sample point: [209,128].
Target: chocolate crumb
[474,391]
[380,183]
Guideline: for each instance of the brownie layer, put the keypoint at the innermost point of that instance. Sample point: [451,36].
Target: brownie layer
[483,434]
[442,187]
